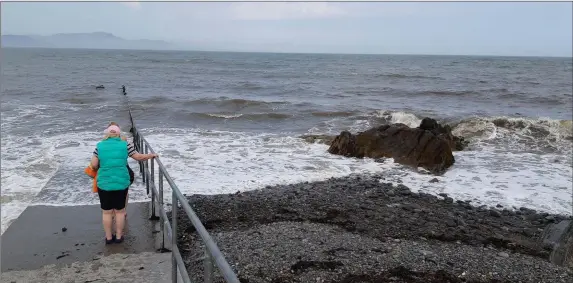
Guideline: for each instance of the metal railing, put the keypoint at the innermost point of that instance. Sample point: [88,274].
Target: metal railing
[212,252]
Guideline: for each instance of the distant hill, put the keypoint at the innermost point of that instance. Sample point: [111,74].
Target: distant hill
[94,40]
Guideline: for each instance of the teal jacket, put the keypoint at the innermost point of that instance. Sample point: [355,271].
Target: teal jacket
[112,173]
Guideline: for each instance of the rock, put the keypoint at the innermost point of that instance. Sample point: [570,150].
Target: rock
[503,254]
[435,180]
[324,139]
[559,236]
[444,132]
[426,253]
[451,223]
[428,146]
[494,213]
[550,218]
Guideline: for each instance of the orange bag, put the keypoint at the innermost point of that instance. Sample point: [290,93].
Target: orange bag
[92,173]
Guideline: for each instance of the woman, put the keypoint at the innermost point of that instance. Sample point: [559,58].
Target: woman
[131,148]
[113,179]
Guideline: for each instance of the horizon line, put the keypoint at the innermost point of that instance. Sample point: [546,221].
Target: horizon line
[182,43]
[292,53]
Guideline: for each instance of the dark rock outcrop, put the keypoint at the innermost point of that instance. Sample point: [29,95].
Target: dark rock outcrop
[429,146]
[444,132]
[559,237]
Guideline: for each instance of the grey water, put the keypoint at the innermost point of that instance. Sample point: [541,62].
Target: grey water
[279,92]
[226,121]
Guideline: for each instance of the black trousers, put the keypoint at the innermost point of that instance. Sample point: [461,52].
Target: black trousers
[115,199]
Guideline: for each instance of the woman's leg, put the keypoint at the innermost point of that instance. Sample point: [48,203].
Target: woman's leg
[119,208]
[126,199]
[131,179]
[107,212]
[107,220]
[119,223]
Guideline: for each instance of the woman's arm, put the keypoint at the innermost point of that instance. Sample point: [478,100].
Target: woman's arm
[94,163]
[142,157]
[131,152]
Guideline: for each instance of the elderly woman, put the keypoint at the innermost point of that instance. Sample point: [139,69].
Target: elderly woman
[110,157]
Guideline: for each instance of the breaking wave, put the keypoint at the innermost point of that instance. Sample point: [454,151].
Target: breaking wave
[527,134]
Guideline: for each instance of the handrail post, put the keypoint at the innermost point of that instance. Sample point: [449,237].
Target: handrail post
[138,145]
[143,162]
[208,267]
[173,234]
[146,168]
[141,150]
[160,203]
[153,196]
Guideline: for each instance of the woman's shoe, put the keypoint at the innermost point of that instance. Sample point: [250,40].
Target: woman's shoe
[109,242]
[119,240]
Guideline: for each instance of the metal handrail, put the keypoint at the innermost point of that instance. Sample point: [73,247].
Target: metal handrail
[212,252]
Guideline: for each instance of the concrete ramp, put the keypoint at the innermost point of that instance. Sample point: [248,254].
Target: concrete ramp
[143,267]
[36,240]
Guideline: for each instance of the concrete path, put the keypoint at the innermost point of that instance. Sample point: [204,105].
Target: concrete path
[35,248]
[118,268]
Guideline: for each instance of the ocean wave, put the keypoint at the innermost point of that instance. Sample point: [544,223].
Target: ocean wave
[277,116]
[222,102]
[333,113]
[549,130]
[245,116]
[155,100]
[406,76]
[247,86]
[81,100]
[537,100]
[233,102]
[527,134]
[450,93]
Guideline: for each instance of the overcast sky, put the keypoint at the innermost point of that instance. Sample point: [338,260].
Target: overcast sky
[486,28]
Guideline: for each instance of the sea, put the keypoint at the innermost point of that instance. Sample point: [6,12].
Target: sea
[227,122]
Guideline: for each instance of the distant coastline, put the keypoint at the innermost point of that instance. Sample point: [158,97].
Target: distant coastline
[109,41]
[94,40]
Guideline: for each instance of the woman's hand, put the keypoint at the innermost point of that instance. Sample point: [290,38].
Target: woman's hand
[153,155]
[143,157]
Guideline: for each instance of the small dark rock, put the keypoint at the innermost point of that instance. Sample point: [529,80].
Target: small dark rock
[435,180]
[451,223]
[550,218]
[494,213]
[503,254]
[405,192]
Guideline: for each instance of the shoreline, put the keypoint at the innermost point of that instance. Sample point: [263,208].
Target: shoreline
[357,229]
